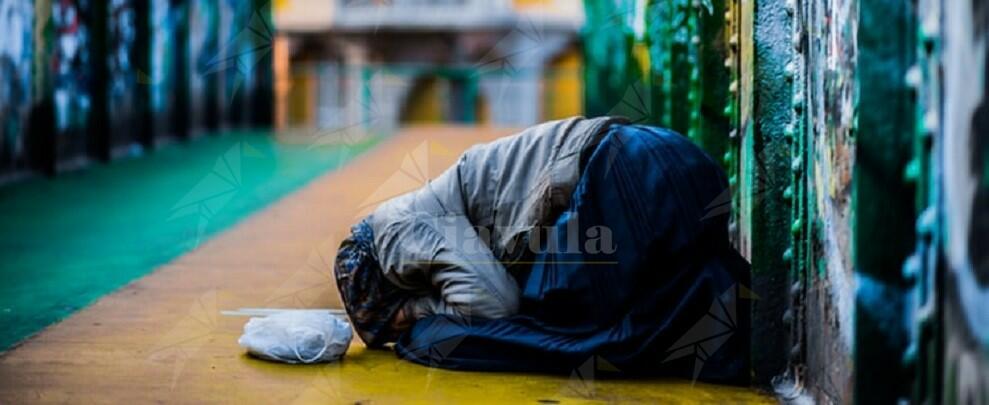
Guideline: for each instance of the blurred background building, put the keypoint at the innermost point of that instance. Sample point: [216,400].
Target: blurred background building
[379,64]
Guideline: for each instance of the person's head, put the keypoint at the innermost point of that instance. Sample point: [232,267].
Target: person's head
[372,302]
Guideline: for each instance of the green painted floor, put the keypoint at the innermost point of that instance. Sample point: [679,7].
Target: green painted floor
[64,242]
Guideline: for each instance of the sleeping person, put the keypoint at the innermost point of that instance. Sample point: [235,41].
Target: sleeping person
[572,239]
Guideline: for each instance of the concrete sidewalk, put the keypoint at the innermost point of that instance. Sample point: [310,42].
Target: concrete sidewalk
[162,339]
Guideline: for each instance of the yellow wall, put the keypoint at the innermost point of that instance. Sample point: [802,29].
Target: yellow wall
[302,99]
[424,103]
[563,86]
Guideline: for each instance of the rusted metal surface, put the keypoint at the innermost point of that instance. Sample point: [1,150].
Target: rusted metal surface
[822,158]
[855,143]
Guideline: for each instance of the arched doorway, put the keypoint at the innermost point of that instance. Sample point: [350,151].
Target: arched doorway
[424,102]
[449,96]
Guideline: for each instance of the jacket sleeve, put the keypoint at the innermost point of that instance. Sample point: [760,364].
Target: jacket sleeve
[425,243]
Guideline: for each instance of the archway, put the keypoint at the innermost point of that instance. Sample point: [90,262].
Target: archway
[423,103]
[444,97]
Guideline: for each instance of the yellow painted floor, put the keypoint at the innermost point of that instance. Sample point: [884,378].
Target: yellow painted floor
[162,339]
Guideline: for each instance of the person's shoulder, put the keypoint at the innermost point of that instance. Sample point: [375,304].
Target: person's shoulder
[526,139]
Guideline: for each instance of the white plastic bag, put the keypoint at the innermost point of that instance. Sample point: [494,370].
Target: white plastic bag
[297,337]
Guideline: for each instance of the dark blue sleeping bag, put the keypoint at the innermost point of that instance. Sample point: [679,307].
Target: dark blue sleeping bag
[637,276]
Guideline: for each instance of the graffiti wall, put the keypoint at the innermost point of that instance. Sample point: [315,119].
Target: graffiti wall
[204,82]
[962,148]
[244,55]
[78,76]
[16,27]
[165,19]
[823,157]
[70,62]
[854,134]
[122,55]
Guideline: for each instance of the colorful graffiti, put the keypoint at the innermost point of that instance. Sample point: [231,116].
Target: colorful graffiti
[122,71]
[76,76]
[962,135]
[857,152]
[165,19]
[70,62]
[16,25]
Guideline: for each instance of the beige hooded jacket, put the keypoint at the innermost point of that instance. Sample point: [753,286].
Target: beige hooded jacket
[456,235]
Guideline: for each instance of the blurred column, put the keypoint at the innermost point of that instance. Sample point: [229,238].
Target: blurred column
[470,99]
[883,224]
[40,142]
[610,68]
[263,95]
[514,89]
[212,115]
[142,61]
[98,124]
[283,80]
[180,117]
[232,52]
[951,172]
[761,163]
[355,56]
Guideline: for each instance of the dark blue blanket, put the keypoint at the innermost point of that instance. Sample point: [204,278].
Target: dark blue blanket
[636,277]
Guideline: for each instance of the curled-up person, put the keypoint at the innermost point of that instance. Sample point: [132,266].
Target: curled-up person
[573,241]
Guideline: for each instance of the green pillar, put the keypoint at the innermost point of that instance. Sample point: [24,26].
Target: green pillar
[688,80]
[712,108]
[610,70]
[760,163]
[470,97]
[883,202]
